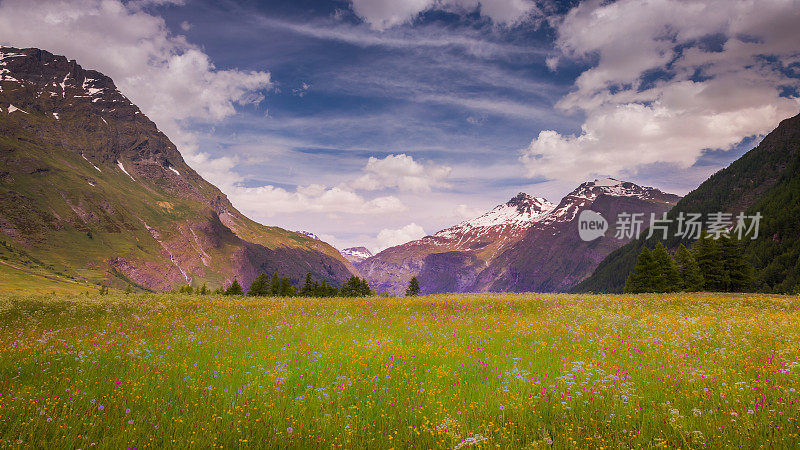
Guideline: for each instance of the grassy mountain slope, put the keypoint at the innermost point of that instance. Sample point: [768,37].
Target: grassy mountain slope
[766,180]
[92,189]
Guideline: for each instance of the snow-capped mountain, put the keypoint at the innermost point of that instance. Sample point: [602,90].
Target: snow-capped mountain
[481,238]
[551,257]
[585,194]
[356,254]
[503,249]
[519,212]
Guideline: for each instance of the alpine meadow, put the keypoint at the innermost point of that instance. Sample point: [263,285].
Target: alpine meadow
[386,224]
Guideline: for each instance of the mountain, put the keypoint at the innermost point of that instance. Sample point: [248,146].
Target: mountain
[765,180]
[91,190]
[526,244]
[456,251]
[356,254]
[552,256]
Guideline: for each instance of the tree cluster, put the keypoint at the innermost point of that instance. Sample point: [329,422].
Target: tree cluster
[711,265]
[189,289]
[356,287]
[278,286]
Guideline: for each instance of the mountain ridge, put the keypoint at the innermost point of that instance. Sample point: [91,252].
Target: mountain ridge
[128,209]
[462,258]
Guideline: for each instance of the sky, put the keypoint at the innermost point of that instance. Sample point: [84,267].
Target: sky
[375,122]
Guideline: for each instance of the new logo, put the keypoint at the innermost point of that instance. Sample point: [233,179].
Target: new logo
[591,225]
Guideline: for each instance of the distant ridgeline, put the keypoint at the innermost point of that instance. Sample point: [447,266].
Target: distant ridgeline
[278,286]
[765,180]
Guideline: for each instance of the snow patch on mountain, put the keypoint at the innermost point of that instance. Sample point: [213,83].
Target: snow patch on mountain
[12,108]
[119,164]
[87,160]
[309,234]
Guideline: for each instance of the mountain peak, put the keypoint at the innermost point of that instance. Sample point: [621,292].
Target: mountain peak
[521,211]
[356,254]
[584,196]
[528,205]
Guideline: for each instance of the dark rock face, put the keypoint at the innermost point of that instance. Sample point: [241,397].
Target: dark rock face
[448,272]
[88,181]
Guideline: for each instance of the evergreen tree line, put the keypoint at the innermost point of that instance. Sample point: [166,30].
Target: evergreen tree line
[277,286]
[711,265]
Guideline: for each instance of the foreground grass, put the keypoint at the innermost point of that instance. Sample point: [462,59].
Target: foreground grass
[493,371]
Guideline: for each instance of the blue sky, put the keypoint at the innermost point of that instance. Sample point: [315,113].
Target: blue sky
[371,122]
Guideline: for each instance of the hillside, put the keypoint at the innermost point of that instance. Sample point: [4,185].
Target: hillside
[767,180]
[90,189]
[526,244]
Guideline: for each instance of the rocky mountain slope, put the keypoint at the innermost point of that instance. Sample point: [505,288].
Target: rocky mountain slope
[552,257]
[91,190]
[526,244]
[765,180]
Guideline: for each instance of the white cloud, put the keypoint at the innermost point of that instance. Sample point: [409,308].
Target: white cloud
[402,172]
[170,79]
[466,212]
[390,238]
[660,92]
[268,201]
[384,14]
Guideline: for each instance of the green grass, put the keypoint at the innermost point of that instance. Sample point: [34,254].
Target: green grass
[507,371]
[16,281]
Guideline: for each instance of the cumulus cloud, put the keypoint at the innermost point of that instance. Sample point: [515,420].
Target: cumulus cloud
[390,238]
[466,212]
[672,78]
[269,201]
[384,14]
[170,79]
[402,172]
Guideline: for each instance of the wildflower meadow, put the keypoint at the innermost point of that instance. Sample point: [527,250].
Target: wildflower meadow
[447,371]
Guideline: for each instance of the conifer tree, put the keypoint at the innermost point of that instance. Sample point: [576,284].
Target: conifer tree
[641,279]
[234,289]
[128,289]
[286,289]
[413,287]
[739,271]
[310,287]
[276,284]
[260,287]
[667,278]
[690,276]
[203,290]
[707,253]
